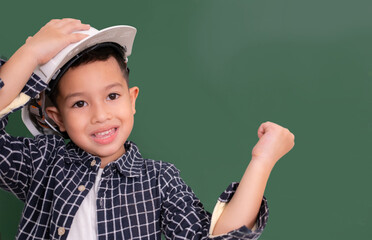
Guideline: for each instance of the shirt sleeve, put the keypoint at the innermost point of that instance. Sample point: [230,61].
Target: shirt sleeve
[19,156]
[184,217]
[32,88]
[1,81]
[23,160]
[243,232]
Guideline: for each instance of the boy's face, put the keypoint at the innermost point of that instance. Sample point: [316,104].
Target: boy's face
[96,108]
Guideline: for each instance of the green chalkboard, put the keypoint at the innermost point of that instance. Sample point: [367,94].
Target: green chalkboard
[211,71]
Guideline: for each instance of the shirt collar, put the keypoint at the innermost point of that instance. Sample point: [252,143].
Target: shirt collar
[129,164]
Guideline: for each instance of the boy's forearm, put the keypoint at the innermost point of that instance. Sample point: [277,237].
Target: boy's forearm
[274,142]
[38,50]
[15,74]
[244,206]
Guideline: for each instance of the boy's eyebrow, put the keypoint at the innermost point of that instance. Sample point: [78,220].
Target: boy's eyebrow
[78,94]
[113,85]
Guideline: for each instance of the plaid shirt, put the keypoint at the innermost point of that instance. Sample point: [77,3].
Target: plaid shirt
[137,198]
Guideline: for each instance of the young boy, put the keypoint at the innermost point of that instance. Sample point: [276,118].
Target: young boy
[98,185]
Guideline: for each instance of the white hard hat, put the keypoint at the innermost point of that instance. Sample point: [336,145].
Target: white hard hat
[33,114]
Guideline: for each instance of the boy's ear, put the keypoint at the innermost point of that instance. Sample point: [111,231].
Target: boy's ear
[133,94]
[55,115]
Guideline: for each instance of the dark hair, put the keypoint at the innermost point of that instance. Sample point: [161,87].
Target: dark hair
[99,52]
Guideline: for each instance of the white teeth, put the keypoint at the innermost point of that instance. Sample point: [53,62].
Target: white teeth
[105,133]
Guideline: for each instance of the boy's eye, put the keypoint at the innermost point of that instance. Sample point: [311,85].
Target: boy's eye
[112,96]
[79,104]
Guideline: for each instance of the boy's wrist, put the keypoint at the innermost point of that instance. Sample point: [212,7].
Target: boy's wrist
[264,163]
[28,55]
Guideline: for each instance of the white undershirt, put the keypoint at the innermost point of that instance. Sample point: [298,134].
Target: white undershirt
[84,225]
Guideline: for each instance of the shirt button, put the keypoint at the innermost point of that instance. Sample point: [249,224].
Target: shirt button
[92,163]
[61,231]
[81,188]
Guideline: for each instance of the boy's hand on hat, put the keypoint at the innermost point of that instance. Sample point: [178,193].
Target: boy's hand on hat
[53,37]
[274,142]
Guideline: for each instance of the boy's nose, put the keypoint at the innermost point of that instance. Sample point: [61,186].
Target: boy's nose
[100,113]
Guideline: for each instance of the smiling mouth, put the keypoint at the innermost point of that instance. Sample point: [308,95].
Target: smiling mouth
[105,137]
[105,134]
